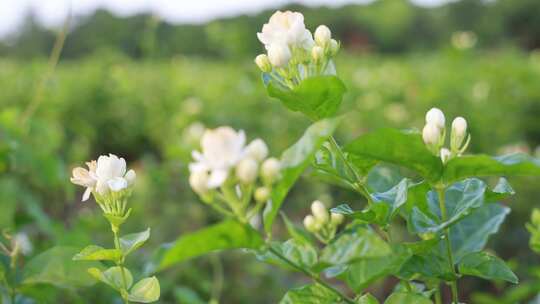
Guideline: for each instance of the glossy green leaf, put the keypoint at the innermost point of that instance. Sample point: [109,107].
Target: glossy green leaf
[361,274]
[293,162]
[367,299]
[97,253]
[403,148]
[114,277]
[360,243]
[407,298]
[145,291]
[484,165]
[229,234]
[486,266]
[310,294]
[365,215]
[386,204]
[132,242]
[298,251]
[317,97]
[432,265]
[55,266]
[501,191]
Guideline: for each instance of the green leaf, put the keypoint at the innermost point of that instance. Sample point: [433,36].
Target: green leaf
[8,201]
[97,253]
[132,242]
[407,298]
[484,165]
[293,162]
[403,148]
[472,233]
[486,266]
[310,294]
[365,215]
[361,274]
[301,253]
[114,277]
[145,291]
[367,299]
[317,97]
[296,232]
[387,204]
[428,265]
[229,234]
[55,266]
[360,243]
[500,192]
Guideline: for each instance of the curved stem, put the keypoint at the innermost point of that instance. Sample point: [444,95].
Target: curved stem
[311,275]
[442,206]
[120,263]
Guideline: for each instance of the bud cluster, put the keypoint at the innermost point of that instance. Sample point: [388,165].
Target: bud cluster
[293,53]
[322,223]
[107,180]
[434,135]
[228,175]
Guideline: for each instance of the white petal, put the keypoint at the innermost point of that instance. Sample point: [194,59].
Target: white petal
[217,178]
[86,194]
[130,177]
[118,183]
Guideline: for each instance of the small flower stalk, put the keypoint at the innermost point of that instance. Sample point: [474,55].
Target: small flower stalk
[321,223]
[111,186]
[293,53]
[434,135]
[228,175]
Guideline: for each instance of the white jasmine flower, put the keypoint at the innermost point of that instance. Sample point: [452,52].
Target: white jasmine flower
[459,132]
[270,170]
[257,149]
[262,194]
[222,150]
[334,47]
[279,54]
[111,174]
[322,35]
[431,134]
[22,242]
[263,63]
[85,178]
[435,116]
[286,28]
[317,53]
[319,212]
[246,171]
[336,218]
[311,224]
[445,155]
[198,181]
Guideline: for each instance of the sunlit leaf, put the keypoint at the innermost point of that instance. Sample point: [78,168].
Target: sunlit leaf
[145,291]
[486,266]
[310,294]
[131,242]
[97,253]
[117,277]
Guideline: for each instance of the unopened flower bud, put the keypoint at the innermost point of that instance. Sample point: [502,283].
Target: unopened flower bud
[198,181]
[257,150]
[459,132]
[445,155]
[270,170]
[279,54]
[334,47]
[435,116]
[320,212]
[322,35]
[336,218]
[431,134]
[263,63]
[246,170]
[311,224]
[262,194]
[317,53]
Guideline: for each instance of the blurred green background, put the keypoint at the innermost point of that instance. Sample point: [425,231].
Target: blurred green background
[142,88]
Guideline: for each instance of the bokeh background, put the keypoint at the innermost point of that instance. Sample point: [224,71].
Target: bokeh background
[143,82]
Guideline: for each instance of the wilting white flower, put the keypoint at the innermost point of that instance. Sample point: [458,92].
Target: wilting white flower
[317,53]
[270,170]
[311,224]
[86,178]
[445,155]
[263,63]
[222,150]
[257,149]
[435,116]
[111,174]
[336,218]
[198,181]
[431,134]
[279,54]
[22,242]
[319,212]
[262,194]
[246,171]
[286,28]
[322,35]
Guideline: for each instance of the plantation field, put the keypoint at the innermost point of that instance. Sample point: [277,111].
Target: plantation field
[152,112]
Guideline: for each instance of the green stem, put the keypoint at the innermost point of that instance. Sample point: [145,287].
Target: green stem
[311,275]
[120,263]
[438,296]
[442,205]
